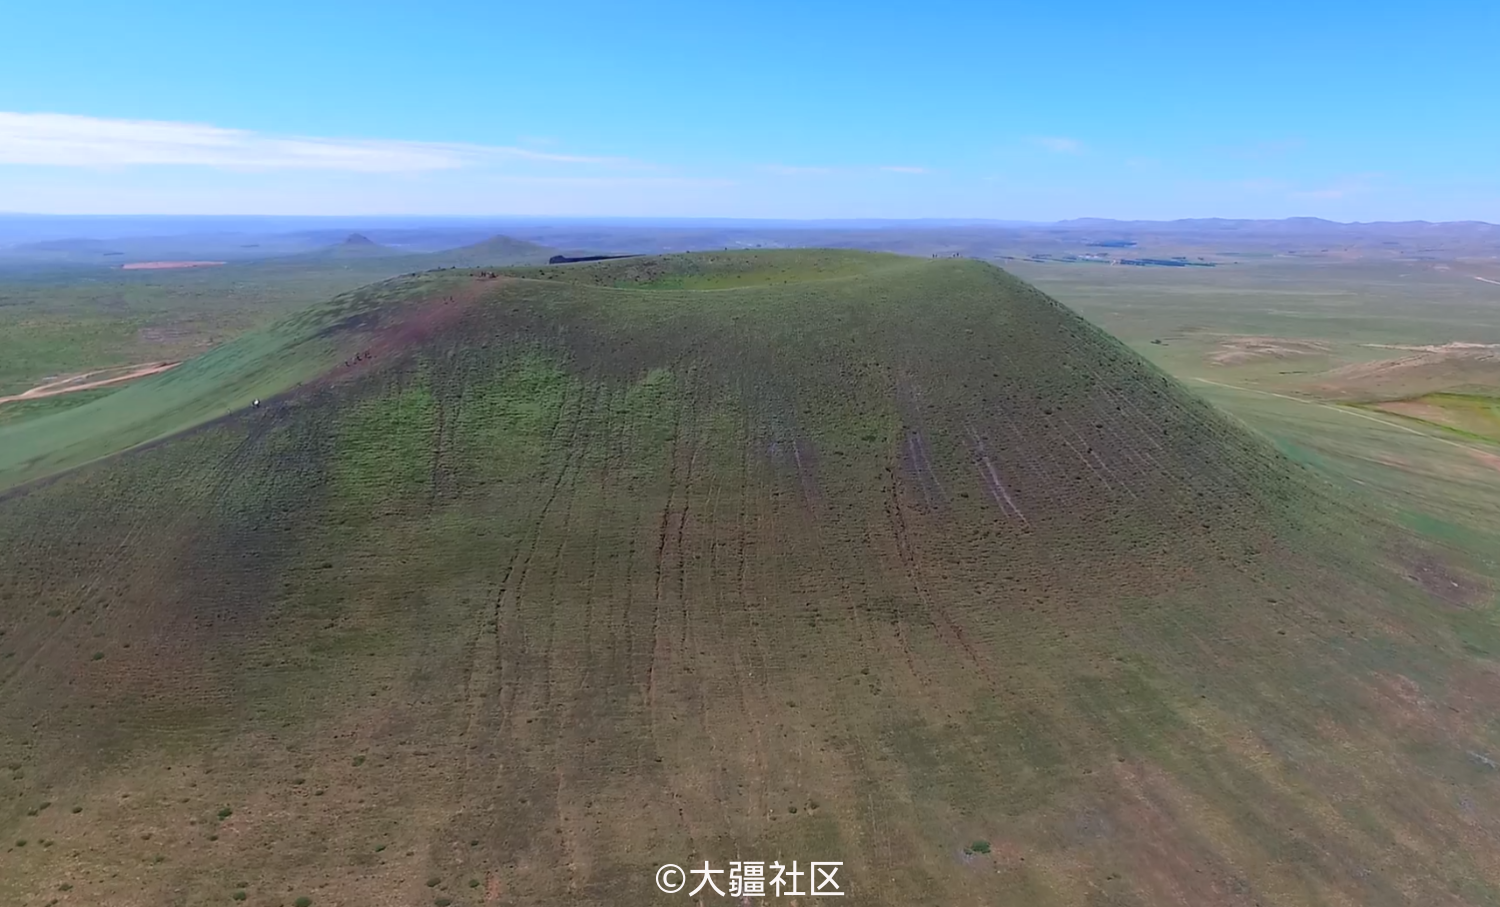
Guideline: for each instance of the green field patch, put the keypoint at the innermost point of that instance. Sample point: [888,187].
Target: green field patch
[384,449]
[1464,415]
[506,423]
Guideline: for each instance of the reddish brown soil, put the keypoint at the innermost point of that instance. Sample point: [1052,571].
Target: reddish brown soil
[405,332]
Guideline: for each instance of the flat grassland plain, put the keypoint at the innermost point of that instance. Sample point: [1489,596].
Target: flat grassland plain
[522,583]
[1385,375]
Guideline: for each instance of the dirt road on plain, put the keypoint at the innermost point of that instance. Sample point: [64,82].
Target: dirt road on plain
[81,382]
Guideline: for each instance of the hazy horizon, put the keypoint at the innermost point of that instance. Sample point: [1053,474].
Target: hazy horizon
[644,219]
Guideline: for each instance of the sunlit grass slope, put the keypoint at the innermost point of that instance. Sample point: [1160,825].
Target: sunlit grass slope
[538,581]
[259,364]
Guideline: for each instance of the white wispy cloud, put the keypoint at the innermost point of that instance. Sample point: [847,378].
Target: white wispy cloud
[797,170]
[794,170]
[1058,144]
[69,140]
[642,181]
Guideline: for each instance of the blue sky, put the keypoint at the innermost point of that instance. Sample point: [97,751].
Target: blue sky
[1369,110]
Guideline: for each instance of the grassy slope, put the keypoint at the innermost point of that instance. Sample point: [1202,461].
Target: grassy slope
[808,556]
[65,320]
[1432,476]
[256,365]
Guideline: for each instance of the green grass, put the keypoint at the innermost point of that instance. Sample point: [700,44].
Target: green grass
[258,365]
[21,410]
[1346,303]
[36,348]
[754,556]
[1471,416]
[66,321]
[58,320]
[714,271]
[1427,470]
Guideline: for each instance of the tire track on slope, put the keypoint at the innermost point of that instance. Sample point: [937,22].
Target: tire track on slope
[898,525]
[578,461]
[659,526]
[661,549]
[222,476]
[578,448]
[487,669]
[682,518]
[715,595]
[751,612]
[941,619]
[993,483]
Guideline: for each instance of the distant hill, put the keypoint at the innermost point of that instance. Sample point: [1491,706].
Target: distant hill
[515,587]
[357,245]
[94,246]
[497,251]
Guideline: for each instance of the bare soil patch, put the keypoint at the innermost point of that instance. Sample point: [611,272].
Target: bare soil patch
[1444,581]
[1430,368]
[168,265]
[1452,347]
[1238,350]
